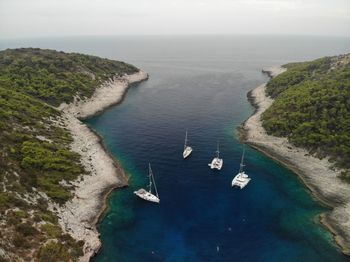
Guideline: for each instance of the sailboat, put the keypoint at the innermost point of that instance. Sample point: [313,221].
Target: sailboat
[217,161]
[187,149]
[148,195]
[241,179]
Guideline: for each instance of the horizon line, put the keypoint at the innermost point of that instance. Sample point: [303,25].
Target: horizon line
[171,35]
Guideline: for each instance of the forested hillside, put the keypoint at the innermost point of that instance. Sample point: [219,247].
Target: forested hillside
[312,108]
[36,163]
[55,77]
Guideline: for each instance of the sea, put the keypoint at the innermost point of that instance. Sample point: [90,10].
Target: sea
[200,84]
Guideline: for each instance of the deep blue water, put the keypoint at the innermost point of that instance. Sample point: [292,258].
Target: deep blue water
[200,84]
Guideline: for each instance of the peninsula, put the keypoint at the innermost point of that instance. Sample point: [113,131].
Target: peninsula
[55,173]
[302,120]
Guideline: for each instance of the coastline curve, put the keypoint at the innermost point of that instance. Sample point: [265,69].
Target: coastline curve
[79,216]
[319,176]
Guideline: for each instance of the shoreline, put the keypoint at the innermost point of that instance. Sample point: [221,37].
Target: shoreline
[80,215]
[317,174]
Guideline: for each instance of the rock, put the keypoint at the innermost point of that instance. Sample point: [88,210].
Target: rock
[79,216]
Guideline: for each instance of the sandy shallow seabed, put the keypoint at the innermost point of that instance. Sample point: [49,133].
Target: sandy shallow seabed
[80,215]
[318,175]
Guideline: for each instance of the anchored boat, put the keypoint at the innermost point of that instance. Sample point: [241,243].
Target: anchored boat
[147,195]
[241,179]
[217,162]
[187,149]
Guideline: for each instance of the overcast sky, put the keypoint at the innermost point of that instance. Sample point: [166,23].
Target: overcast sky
[25,18]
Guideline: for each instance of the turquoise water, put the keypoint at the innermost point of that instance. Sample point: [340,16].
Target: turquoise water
[200,84]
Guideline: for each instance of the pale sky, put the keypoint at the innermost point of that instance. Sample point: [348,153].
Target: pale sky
[40,18]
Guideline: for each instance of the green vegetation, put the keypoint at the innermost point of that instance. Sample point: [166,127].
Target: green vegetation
[55,77]
[35,153]
[312,108]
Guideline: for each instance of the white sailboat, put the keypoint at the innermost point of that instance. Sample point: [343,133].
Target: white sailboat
[147,195]
[217,161]
[187,149]
[241,179]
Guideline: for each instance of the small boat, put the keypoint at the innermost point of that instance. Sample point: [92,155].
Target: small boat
[241,179]
[187,149]
[147,195]
[217,161]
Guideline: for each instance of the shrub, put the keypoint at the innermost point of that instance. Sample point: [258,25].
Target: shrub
[53,252]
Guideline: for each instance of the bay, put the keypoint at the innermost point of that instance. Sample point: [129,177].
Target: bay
[199,83]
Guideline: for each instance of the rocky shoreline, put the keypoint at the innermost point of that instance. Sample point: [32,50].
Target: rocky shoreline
[317,174]
[79,216]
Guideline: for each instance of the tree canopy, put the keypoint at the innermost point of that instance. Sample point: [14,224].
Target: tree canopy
[35,153]
[312,108]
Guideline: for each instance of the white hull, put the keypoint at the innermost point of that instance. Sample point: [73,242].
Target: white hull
[216,163]
[146,195]
[240,180]
[187,152]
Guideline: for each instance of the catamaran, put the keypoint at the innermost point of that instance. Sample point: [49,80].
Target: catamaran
[241,179]
[217,161]
[187,149]
[147,195]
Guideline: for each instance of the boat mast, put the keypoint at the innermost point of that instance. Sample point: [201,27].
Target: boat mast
[217,151]
[151,176]
[185,140]
[241,164]
[150,179]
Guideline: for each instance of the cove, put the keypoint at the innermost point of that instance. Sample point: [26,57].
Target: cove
[275,218]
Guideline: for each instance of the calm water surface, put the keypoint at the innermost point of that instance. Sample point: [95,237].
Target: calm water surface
[200,84]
